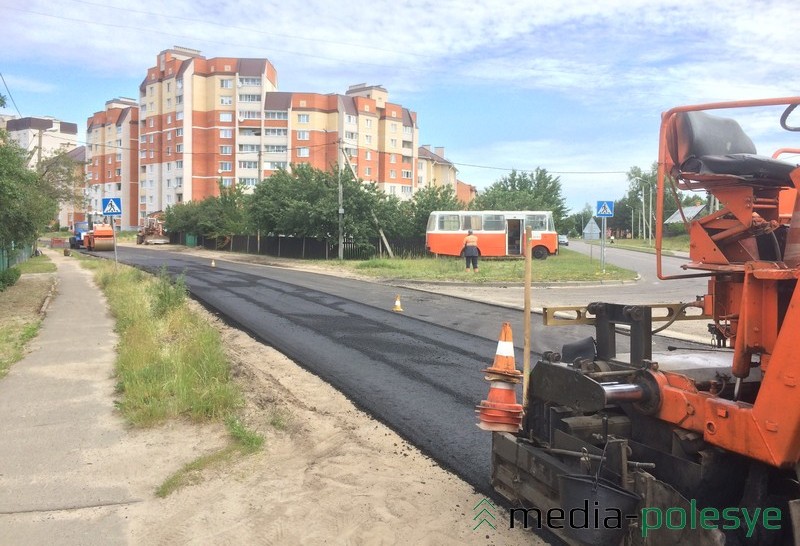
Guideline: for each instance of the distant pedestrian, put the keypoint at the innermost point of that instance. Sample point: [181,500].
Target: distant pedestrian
[471,251]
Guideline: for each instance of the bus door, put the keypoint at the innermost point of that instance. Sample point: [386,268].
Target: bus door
[513,237]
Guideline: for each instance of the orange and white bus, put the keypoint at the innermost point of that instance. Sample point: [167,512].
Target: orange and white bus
[500,233]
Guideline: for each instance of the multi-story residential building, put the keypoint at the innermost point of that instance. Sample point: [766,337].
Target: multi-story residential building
[201,122]
[112,165]
[434,170]
[377,138]
[75,211]
[42,137]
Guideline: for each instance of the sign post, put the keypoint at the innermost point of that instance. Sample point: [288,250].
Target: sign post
[112,208]
[605,209]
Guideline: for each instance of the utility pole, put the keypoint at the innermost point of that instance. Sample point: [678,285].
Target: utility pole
[341,199]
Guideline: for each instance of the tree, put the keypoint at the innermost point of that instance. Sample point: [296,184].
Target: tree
[428,200]
[27,200]
[525,191]
[305,203]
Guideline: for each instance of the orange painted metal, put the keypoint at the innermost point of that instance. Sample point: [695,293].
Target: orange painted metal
[755,303]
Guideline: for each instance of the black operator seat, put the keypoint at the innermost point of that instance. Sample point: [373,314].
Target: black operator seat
[716,148]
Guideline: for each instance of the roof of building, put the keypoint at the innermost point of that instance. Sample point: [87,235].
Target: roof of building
[78,154]
[689,212]
[41,124]
[425,153]
[277,100]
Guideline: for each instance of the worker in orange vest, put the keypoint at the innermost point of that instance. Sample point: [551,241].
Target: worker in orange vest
[471,252]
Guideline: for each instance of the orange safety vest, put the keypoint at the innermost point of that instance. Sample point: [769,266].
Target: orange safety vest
[471,240]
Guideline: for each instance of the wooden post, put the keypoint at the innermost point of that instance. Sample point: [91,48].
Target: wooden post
[526,351]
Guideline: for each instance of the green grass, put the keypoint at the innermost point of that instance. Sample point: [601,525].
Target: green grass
[677,243]
[37,264]
[567,266]
[13,338]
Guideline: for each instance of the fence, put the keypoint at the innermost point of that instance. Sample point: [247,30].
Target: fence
[302,247]
[17,255]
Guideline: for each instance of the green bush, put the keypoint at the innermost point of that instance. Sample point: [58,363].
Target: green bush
[9,277]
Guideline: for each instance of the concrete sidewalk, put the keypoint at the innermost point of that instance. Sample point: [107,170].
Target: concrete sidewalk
[61,479]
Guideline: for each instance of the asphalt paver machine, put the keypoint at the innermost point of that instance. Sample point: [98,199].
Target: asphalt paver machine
[694,446]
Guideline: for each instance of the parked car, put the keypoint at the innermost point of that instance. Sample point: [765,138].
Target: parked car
[563,240]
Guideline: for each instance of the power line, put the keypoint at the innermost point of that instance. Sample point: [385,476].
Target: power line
[9,95]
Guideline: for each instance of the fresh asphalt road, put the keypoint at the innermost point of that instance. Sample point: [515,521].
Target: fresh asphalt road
[418,371]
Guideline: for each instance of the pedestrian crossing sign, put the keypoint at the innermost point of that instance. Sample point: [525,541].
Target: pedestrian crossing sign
[605,209]
[112,206]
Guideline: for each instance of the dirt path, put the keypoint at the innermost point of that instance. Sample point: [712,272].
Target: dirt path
[329,474]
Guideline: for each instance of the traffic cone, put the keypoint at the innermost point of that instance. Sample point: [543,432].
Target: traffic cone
[503,395]
[504,365]
[213,263]
[397,307]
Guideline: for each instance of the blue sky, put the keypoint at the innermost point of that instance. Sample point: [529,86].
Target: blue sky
[574,87]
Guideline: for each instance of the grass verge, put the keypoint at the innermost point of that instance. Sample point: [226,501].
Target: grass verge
[568,265]
[170,363]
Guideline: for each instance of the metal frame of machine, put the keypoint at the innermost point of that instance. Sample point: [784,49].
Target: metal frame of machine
[712,430]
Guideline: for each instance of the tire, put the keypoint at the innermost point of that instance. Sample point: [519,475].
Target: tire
[540,252]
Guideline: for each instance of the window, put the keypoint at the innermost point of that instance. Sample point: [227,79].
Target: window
[248,147]
[393,142]
[276,131]
[392,158]
[351,135]
[142,139]
[178,115]
[152,138]
[150,122]
[406,129]
[250,181]
[368,171]
[250,114]
[119,157]
[169,150]
[302,118]
[225,166]
[368,123]
[405,189]
[406,174]
[494,222]
[247,97]
[178,181]
[152,154]
[119,187]
[226,116]
[179,100]
[226,101]
[169,103]
[275,149]
[302,135]
[227,182]
[275,165]
[248,164]
[225,150]
[368,139]
[169,166]
[169,87]
[302,152]
[169,135]
[392,173]
[249,81]
[276,114]
[169,199]
[178,133]
[368,155]
[393,127]
[226,84]
[179,148]
[179,164]
[169,182]
[349,118]
[118,172]
[448,222]
[226,133]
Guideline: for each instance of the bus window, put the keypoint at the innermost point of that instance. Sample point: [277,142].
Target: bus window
[537,222]
[431,222]
[494,222]
[449,222]
[472,221]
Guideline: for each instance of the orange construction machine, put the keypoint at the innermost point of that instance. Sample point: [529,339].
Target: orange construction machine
[695,446]
[151,230]
[100,237]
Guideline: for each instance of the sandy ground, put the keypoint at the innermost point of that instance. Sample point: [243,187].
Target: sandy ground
[329,474]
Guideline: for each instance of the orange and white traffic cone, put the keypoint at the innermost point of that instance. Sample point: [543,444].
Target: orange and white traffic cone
[397,307]
[213,263]
[504,366]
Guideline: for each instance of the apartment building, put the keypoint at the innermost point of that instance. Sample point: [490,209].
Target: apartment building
[377,138]
[112,164]
[42,137]
[434,170]
[201,122]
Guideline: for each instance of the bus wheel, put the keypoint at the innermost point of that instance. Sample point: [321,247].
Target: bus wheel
[540,252]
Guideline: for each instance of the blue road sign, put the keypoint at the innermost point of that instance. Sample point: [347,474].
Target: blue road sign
[112,206]
[605,209]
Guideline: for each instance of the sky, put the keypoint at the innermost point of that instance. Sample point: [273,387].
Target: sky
[574,87]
